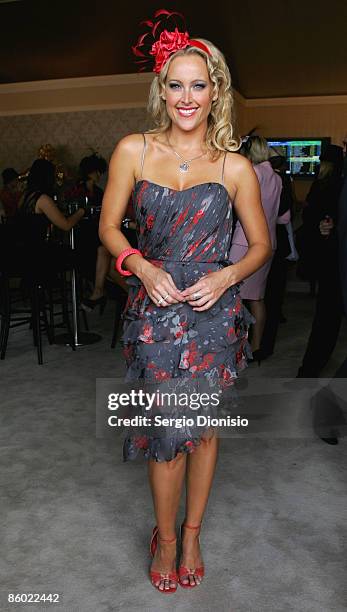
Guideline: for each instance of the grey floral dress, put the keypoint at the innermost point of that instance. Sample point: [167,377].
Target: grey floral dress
[188,234]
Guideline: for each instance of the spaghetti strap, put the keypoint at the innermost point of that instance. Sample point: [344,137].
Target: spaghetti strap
[222,179]
[143,154]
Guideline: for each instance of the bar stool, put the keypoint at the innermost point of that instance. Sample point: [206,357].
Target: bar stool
[13,316]
[35,264]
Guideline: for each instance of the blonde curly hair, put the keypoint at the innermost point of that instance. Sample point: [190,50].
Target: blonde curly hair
[221,121]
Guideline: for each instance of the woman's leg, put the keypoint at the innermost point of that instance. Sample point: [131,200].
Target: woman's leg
[102,267]
[166,481]
[257,308]
[201,466]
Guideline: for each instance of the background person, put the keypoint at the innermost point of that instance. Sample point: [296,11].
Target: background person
[11,192]
[253,288]
[37,198]
[87,189]
[30,229]
[285,250]
[322,211]
[329,404]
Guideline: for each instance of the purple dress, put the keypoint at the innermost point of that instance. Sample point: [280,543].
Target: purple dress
[187,233]
[253,287]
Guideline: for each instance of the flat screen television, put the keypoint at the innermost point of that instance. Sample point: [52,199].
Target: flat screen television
[302,154]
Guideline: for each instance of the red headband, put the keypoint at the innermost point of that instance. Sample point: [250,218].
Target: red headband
[164,45]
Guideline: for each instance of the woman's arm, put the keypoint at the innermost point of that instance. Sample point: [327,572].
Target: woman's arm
[122,174]
[247,203]
[46,206]
[121,179]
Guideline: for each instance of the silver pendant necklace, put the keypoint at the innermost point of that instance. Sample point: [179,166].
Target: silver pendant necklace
[184,165]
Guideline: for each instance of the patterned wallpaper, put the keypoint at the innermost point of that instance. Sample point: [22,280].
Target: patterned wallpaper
[73,134]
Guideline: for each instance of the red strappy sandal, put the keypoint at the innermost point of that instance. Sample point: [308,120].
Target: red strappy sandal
[155,576]
[185,572]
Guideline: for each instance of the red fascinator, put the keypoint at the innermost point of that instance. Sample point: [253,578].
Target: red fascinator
[164,37]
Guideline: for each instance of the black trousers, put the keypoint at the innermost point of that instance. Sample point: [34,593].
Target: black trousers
[326,323]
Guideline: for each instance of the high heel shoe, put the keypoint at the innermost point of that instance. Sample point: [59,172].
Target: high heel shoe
[155,576]
[88,305]
[185,572]
[258,356]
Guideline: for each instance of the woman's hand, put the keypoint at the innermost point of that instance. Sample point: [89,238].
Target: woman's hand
[159,286]
[326,226]
[81,212]
[207,290]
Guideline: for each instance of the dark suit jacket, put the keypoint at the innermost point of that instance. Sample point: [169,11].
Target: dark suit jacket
[342,229]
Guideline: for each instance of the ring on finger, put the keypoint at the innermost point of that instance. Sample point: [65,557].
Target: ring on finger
[196,295]
[162,299]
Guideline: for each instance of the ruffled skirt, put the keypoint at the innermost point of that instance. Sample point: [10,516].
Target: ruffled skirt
[175,349]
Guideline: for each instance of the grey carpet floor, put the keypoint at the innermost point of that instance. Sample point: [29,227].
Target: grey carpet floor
[76,520]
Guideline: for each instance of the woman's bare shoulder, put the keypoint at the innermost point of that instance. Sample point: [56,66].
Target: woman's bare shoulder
[238,172]
[130,147]
[238,168]
[235,163]
[131,144]
[127,152]
[44,201]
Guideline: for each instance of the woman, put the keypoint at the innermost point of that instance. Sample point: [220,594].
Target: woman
[285,252]
[184,180]
[38,197]
[253,288]
[37,210]
[87,190]
[31,225]
[10,194]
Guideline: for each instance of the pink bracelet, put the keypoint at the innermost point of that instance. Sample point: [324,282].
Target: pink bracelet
[122,256]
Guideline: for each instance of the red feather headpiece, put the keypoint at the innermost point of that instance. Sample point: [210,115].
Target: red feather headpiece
[160,42]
